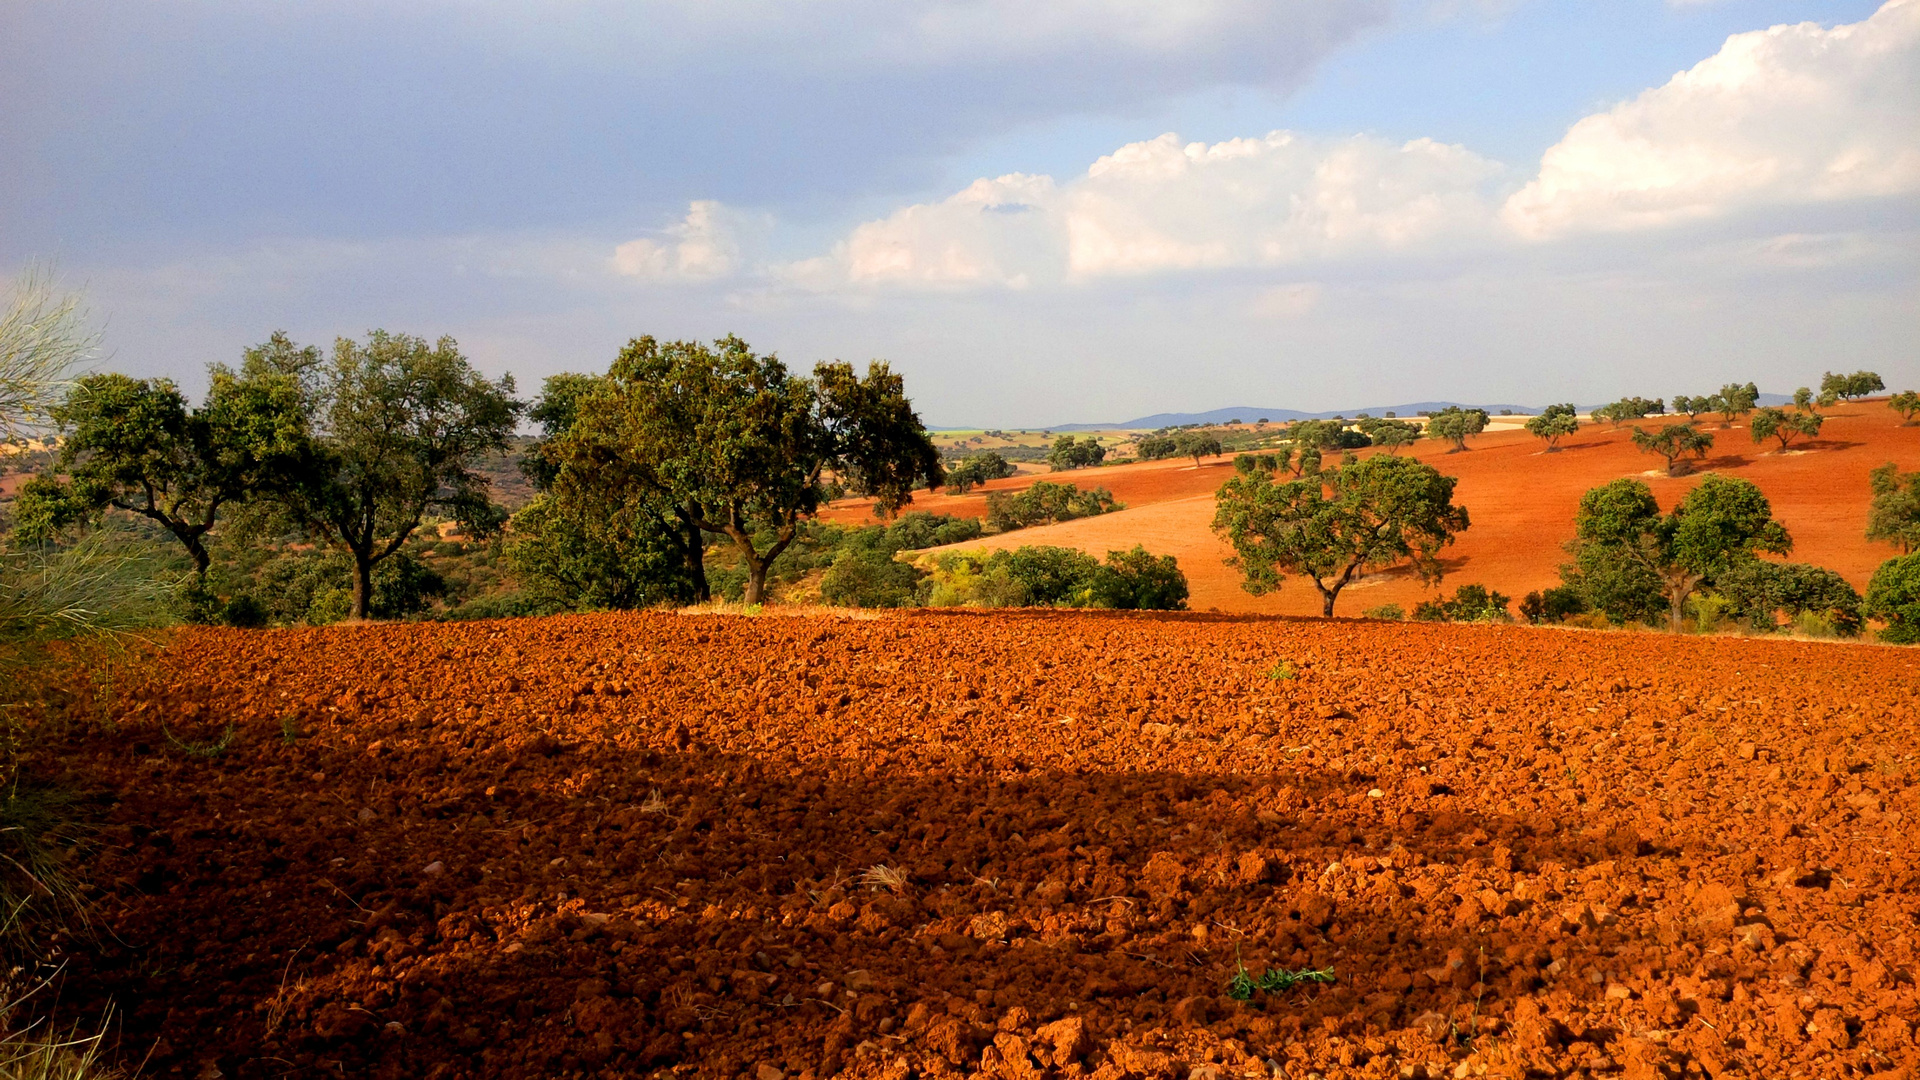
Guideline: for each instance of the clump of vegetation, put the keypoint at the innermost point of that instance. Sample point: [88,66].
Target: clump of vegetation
[1554,424]
[1894,515]
[1893,595]
[1762,594]
[1469,603]
[977,469]
[1675,443]
[1783,426]
[1555,605]
[1390,612]
[1040,576]
[1045,503]
[1835,388]
[1907,404]
[1070,453]
[1629,408]
[1243,984]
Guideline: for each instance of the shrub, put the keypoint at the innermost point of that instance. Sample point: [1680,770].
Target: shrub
[1155,447]
[244,611]
[1554,605]
[1470,603]
[968,579]
[1385,611]
[1051,576]
[1759,593]
[1044,503]
[1894,596]
[869,579]
[1071,453]
[505,605]
[977,469]
[1138,580]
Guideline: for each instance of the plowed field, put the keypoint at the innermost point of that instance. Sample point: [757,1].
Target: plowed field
[1522,502]
[1026,845]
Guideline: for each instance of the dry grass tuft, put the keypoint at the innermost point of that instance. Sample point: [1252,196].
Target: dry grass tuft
[883,877]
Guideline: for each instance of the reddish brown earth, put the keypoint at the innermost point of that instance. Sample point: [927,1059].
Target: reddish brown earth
[627,845]
[1521,500]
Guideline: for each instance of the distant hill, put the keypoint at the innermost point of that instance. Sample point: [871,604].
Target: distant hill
[1248,414]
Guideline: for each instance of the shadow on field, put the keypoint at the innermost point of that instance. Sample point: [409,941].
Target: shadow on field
[588,908]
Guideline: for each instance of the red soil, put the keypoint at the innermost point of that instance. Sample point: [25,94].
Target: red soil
[1521,500]
[612,845]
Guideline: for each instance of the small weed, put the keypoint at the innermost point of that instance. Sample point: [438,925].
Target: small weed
[1281,670]
[1272,981]
[1241,986]
[204,750]
[654,804]
[289,729]
[883,877]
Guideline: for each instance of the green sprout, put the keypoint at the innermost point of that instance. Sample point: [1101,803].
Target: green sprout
[1281,670]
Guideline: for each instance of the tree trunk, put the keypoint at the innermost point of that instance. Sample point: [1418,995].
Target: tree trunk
[198,552]
[362,585]
[756,581]
[1326,603]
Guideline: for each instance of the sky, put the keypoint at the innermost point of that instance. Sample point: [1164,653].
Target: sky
[1085,210]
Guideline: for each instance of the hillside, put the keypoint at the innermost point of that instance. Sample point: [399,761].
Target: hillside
[1522,503]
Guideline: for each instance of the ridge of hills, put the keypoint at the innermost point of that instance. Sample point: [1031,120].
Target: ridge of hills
[1249,414]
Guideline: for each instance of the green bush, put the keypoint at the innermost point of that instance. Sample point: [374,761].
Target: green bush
[1470,603]
[1138,580]
[1045,503]
[869,579]
[1759,593]
[1893,595]
[1392,612]
[245,612]
[1052,576]
[1554,605]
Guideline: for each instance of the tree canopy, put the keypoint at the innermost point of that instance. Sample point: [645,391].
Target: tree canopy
[1329,528]
[976,470]
[1783,426]
[1847,387]
[1554,424]
[1456,425]
[1069,453]
[1894,515]
[1624,547]
[1198,445]
[1675,443]
[1630,408]
[1734,399]
[1907,404]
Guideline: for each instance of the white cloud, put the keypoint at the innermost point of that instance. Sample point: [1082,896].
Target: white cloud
[1163,205]
[1794,114]
[703,246]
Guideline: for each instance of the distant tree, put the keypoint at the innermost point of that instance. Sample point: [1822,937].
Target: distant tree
[1470,603]
[135,445]
[554,410]
[1675,442]
[1772,423]
[1139,581]
[400,426]
[582,549]
[1245,464]
[1198,445]
[1907,404]
[1045,503]
[1553,605]
[1894,515]
[1694,406]
[1371,515]
[1554,424]
[1734,399]
[1298,460]
[1847,387]
[975,470]
[1629,408]
[1390,434]
[1624,546]
[1155,447]
[869,579]
[1071,453]
[1893,595]
[1456,425]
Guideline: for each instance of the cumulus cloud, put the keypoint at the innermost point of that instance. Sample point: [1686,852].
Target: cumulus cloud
[703,246]
[1164,205]
[1792,114]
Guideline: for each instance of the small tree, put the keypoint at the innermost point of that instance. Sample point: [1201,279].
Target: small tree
[1139,581]
[1071,453]
[1907,404]
[1621,537]
[135,445]
[1847,387]
[1456,425]
[1893,595]
[1734,399]
[1470,603]
[978,469]
[1390,434]
[1369,515]
[1675,442]
[1894,515]
[1629,408]
[1760,593]
[1803,400]
[1772,423]
[1155,447]
[1553,605]
[1694,406]
[1554,424]
[1198,445]
[400,427]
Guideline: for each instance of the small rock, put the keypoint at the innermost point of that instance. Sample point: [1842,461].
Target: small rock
[366,814]
[319,778]
[1376,793]
[1204,1072]
[434,868]
[1618,991]
[858,979]
[769,1072]
[1193,1010]
[395,1027]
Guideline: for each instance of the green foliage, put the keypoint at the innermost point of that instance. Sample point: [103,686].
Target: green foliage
[869,579]
[399,427]
[1778,424]
[1694,406]
[1069,453]
[1139,581]
[1470,603]
[1456,425]
[1847,387]
[570,552]
[1045,503]
[1629,408]
[1760,593]
[1052,576]
[1734,399]
[1198,445]
[1803,399]
[1155,447]
[1907,404]
[1242,985]
[1391,434]
[1894,515]
[1389,612]
[1554,424]
[1554,605]
[976,470]
[43,338]
[1893,595]
[1369,515]
[1675,443]
[555,411]
[1628,556]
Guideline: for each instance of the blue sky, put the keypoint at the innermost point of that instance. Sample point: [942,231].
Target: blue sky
[1496,200]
